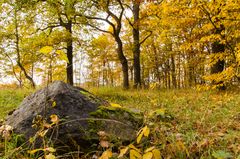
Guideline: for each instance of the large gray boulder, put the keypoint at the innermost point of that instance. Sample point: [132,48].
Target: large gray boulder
[82,115]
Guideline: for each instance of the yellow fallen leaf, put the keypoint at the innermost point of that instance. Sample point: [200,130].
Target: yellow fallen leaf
[135,154]
[139,138]
[34,151]
[148,155]
[54,104]
[146,131]
[123,152]
[143,132]
[50,156]
[156,154]
[149,149]
[134,148]
[115,105]
[54,119]
[50,149]
[106,154]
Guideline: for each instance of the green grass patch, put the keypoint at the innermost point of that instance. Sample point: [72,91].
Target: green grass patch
[204,124]
[10,99]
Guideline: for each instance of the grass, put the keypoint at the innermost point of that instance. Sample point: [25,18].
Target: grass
[204,125]
[10,99]
[206,122]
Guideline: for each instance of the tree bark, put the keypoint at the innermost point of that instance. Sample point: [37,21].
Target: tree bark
[70,54]
[218,67]
[173,70]
[136,45]
[123,61]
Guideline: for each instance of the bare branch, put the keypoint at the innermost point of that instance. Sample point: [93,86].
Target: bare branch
[129,21]
[146,37]
[128,6]
[99,29]
[51,27]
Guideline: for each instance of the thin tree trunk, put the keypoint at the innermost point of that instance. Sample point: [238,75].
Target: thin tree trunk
[156,62]
[70,54]
[18,51]
[173,70]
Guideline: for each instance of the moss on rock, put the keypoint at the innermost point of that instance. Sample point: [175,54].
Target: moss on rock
[115,120]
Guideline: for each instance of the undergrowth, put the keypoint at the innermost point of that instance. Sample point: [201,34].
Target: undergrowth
[197,125]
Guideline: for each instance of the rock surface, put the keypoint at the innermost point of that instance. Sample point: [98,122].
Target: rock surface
[82,115]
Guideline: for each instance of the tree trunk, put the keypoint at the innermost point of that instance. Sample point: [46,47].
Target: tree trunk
[19,63]
[136,45]
[173,70]
[69,54]
[156,63]
[218,67]
[123,61]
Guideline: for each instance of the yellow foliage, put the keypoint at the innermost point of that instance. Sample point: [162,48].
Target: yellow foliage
[46,49]
[148,155]
[62,55]
[123,151]
[50,156]
[106,154]
[156,154]
[54,119]
[143,132]
[135,154]
[115,105]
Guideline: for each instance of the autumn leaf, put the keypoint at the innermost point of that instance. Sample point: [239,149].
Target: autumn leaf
[34,151]
[106,154]
[135,154]
[149,149]
[62,55]
[139,138]
[54,104]
[46,49]
[115,105]
[143,132]
[146,131]
[54,119]
[156,154]
[50,149]
[123,151]
[50,156]
[134,148]
[148,155]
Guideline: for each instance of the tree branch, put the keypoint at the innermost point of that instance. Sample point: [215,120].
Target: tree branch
[99,29]
[129,21]
[146,38]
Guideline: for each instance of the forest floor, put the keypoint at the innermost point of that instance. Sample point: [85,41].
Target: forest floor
[202,125]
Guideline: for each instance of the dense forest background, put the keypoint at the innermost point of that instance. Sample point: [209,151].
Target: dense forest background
[133,43]
[163,62]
